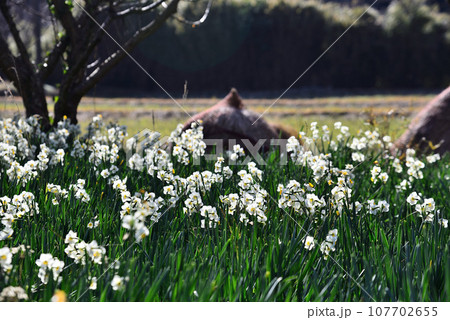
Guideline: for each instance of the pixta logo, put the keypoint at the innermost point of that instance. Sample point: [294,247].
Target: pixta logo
[143,140]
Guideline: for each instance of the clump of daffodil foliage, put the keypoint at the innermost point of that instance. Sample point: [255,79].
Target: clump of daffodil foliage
[331,217]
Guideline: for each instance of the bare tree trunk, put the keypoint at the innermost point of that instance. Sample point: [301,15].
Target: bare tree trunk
[67,104]
[26,81]
[22,72]
[33,97]
[32,91]
[37,29]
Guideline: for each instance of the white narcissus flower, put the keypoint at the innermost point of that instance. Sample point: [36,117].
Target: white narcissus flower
[93,224]
[211,213]
[5,256]
[252,209]
[93,284]
[105,173]
[234,198]
[43,275]
[309,243]
[332,236]
[375,172]
[60,155]
[227,172]
[120,184]
[141,233]
[358,157]
[443,223]
[405,184]
[57,267]
[81,183]
[420,208]
[118,283]
[126,196]
[325,249]
[95,251]
[383,205]
[397,166]
[429,218]
[81,245]
[44,261]
[129,222]
[170,190]
[7,219]
[71,251]
[71,237]
[383,177]
[358,206]
[413,198]
[433,158]
[13,294]
[238,150]
[429,204]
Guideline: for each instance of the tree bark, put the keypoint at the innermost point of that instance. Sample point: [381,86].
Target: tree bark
[67,105]
[37,30]
[33,96]
[31,88]
[27,83]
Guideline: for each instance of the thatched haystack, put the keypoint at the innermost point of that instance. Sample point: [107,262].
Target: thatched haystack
[429,131]
[229,120]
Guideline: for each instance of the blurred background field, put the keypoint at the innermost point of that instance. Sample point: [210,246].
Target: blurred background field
[390,112]
[262,46]
[394,58]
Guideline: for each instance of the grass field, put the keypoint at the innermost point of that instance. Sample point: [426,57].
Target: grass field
[82,221]
[392,112]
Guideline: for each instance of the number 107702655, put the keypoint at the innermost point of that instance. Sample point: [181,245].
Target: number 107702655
[403,311]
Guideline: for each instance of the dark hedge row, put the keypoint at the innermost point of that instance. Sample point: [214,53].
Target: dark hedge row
[261,46]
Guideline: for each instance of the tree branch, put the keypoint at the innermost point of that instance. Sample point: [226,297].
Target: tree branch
[79,40]
[52,59]
[15,33]
[117,56]
[7,62]
[64,15]
[138,9]
[196,22]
